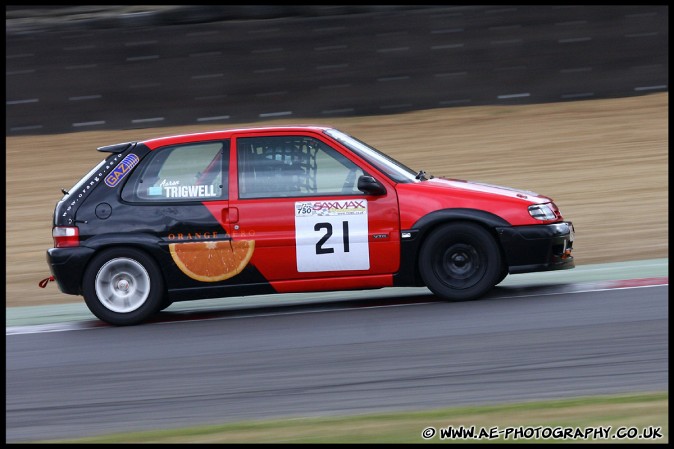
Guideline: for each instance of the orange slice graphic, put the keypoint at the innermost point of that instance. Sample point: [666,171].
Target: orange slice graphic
[212,261]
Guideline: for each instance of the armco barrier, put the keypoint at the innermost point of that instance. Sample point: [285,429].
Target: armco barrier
[234,64]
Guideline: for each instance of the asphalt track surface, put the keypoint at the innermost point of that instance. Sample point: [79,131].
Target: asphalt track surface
[365,352]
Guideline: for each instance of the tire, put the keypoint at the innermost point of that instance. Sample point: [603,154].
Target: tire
[460,261]
[166,303]
[123,286]
[504,273]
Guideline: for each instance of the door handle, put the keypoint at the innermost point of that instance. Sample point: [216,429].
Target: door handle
[230,214]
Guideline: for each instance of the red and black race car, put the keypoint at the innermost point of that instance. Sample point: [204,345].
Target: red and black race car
[286,209]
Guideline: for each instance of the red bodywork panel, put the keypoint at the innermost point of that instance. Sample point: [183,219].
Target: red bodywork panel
[440,193]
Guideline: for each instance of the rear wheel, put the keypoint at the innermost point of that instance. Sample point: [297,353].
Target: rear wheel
[165,303]
[123,286]
[460,261]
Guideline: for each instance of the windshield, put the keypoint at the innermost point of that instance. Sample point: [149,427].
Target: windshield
[395,170]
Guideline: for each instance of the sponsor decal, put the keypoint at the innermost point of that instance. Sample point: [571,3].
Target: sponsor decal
[92,182]
[330,208]
[154,191]
[244,234]
[121,170]
[193,235]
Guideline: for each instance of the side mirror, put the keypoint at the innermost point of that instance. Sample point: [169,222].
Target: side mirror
[370,186]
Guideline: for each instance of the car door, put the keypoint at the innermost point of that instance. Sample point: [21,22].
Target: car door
[297,198]
[173,195]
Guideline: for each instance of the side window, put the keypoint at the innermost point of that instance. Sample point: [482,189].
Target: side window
[287,166]
[189,172]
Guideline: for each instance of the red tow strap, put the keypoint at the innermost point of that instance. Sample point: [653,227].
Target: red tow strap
[43,283]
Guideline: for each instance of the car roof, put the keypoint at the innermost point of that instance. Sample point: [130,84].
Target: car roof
[227,133]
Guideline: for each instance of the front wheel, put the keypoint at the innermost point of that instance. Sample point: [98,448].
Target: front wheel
[123,286]
[502,276]
[460,261]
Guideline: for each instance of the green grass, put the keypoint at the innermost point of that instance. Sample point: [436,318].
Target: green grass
[637,411]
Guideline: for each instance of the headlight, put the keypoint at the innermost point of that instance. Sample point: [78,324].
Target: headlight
[542,211]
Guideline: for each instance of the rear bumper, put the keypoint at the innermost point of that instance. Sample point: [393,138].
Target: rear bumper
[538,248]
[67,265]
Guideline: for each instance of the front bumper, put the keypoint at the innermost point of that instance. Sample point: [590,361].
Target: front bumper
[67,265]
[537,248]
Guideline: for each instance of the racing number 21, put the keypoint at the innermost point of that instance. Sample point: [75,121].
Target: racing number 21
[331,235]
[328,228]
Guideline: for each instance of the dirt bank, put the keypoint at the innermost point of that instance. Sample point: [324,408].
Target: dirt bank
[604,162]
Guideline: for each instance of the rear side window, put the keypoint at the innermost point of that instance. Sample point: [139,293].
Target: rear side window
[187,172]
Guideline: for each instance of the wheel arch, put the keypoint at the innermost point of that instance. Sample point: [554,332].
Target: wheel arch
[409,259]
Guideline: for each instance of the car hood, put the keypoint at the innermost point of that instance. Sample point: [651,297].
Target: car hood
[480,187]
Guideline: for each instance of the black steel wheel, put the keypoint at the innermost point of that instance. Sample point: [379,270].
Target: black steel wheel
[460,261]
